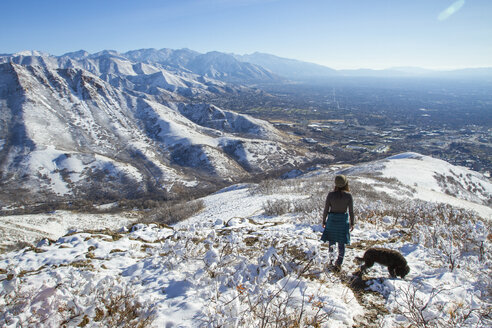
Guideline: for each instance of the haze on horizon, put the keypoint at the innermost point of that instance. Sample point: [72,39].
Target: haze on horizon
[440,34]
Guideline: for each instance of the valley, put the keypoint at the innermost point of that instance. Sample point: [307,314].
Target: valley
[362,119]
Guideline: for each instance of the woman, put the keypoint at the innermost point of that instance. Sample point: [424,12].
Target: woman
[337,228]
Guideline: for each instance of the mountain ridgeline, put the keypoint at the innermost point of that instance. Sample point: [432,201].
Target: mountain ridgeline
[109,126]
[145,123]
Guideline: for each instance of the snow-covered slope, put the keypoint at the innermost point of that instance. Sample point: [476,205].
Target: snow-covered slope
[29,228]
[126,74]
[169,58]
[213,117]
[125,129]
[433,179]
[253,255]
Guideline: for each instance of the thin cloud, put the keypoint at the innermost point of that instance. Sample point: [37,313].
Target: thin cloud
[451,10]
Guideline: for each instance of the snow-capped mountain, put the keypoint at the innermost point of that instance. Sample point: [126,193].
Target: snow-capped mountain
[289,68]
[127,74]
[225,67]
[167,58]
[77,122]
[215,65]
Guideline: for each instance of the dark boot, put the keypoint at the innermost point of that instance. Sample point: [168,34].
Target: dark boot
[338,265]
[337,268]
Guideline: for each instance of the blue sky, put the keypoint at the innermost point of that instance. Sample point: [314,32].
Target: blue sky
[336,33]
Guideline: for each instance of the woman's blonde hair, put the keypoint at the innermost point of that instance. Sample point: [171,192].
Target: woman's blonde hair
[341,183]
[344,188]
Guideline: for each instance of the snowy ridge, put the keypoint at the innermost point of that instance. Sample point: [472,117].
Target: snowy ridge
[212,65]
[225,67]
[289,68]
[433,179]
[232,265]
[213,117]
[69,119]
[215,65]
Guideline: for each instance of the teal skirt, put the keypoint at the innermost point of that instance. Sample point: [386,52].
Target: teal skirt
[337,228]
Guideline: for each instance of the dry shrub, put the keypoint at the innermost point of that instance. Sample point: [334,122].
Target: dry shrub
[303,186]
[424,310]
[276,207]
[16,246]
[311,207]
[266,307]
[118,307]
[115,304]
[278,309]
[170,213]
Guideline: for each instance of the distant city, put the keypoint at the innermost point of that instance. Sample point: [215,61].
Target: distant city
[362,119]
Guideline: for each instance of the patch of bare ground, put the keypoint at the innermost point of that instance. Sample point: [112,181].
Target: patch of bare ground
[373,303]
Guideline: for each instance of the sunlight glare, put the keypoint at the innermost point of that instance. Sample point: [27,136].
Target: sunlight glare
[451,10]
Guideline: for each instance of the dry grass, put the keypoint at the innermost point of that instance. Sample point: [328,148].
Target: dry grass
[170,213]
[267,308]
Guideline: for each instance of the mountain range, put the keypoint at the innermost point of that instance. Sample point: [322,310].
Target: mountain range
[301,71]
[138,123]
[107,126]
[254,68]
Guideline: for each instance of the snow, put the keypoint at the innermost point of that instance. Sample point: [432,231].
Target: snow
[419,171]
[181,285]
[43,161]
[33,227]
[230,262]
[124,67]
[438,197]
[420,175]
[103,162]
[176,129]
[50,162]
[77,107]
[31,53]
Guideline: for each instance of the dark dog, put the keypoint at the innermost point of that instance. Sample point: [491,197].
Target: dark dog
[396,263]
